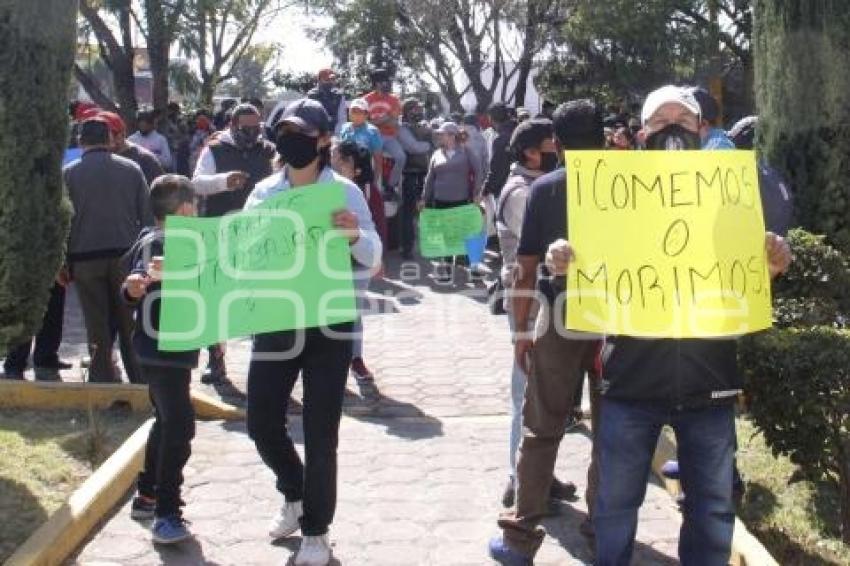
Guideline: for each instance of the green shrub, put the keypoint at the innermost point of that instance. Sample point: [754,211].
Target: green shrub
[37,42]
[816,289]
[798,387]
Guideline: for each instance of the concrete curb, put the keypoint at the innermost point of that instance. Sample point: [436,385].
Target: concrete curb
[747,550]
[69,526]
[59,395]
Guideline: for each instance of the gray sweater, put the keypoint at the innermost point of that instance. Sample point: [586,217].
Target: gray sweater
[111,205]
[448,179]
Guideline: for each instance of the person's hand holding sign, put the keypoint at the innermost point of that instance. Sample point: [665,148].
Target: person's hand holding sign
[558,257]
[347,222]
[778,254]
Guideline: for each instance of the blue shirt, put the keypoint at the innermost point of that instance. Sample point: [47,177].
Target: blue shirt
[717,139]
[366,135]
[367,249]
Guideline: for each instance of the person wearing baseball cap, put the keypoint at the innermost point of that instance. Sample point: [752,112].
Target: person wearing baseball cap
[303,139]
[689,384]
[332,99]
[360,131]
[146,160]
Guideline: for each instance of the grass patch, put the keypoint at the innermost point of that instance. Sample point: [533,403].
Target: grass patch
[45,456]
[797,522]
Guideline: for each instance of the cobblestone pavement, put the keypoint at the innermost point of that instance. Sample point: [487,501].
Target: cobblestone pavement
[412,492]
[421,471]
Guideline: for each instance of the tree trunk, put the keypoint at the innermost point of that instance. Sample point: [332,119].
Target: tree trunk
[207,92]
[801,51]
[37,45]
[159,47]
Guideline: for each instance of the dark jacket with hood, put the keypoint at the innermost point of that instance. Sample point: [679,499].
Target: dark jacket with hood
[150,244]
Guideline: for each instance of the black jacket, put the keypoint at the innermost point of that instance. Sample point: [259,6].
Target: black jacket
[256,161]
[500,160]
[149,244]
[687,373]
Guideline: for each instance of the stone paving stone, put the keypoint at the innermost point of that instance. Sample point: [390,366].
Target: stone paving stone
[439,509]
[421,473]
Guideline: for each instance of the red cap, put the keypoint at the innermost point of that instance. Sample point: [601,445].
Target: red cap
[327,75]
[85,110]
[113,121]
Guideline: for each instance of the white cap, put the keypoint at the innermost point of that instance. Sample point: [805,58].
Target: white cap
[448,127]
[359,104]
[669,94]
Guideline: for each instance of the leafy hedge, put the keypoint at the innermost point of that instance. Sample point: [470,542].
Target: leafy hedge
[798,374]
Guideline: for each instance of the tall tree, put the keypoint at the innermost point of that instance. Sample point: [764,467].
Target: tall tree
[218,34]
[461,45]
[602,54]
[161,23]
[801,51]
[37,42]
[117,54]
[254,73]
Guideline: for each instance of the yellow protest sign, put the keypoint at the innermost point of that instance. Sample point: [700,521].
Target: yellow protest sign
[667,244]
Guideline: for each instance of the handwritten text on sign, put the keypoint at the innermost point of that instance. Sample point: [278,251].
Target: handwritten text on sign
[279,266]
[667,244]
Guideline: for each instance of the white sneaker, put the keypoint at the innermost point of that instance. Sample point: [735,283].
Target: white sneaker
[286,521]
[315,551]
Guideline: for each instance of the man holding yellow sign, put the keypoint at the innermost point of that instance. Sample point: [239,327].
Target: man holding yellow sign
[670,259]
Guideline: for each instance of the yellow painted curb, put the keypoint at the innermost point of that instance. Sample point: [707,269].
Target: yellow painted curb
[59,395]
[60,535]
[210,408]
[747,550]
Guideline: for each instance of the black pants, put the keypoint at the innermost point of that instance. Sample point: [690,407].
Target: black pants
[323,361]
[47,341]
[170,439]
[411,192]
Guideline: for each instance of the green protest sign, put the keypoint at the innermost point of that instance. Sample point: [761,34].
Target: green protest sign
[279,266]
[443,232]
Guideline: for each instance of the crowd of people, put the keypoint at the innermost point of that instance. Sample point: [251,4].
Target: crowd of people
[393,161]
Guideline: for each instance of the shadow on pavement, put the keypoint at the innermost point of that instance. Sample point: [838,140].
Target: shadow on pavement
[184,553]
[565,528]
[21,513]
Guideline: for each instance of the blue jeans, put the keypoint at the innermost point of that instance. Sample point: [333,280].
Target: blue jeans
[518,379]
[628,433]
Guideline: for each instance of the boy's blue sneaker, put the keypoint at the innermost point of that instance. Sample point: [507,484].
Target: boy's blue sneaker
[505,555]
[170,530]
[670,469]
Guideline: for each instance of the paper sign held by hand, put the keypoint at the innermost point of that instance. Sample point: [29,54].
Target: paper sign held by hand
[668,244]
[279,266]
[444,231]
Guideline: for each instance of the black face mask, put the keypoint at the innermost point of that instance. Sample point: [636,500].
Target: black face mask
[548,161]
[246,137]
[297,150]
[673,137]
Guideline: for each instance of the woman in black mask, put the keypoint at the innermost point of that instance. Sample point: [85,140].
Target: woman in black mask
[321,355]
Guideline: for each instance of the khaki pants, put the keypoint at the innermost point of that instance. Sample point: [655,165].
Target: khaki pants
[558,362]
